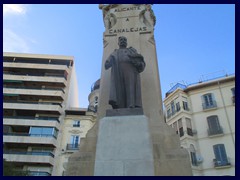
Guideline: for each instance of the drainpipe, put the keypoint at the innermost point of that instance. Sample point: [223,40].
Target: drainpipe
[224,106]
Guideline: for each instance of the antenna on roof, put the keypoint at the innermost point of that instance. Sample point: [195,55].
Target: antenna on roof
[206,77]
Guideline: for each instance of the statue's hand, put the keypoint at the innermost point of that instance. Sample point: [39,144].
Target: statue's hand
[108,64]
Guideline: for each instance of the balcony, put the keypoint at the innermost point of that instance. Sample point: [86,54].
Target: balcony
[72,147]
[36,66]
[38,173]
[33,118]
[189,132]
[29,138]
[178,111]
[30,153]
[35,88]
[34,92]
[29,157]
[31,121]
[215,132]
[207,106]
[60,80]
[26,134]
[218,164]
[42,106]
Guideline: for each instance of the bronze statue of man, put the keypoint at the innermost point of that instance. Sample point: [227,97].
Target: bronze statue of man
[126,65]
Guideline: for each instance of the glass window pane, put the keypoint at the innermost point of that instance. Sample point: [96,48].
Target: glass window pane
[35,130]
[220,154]
[47,131]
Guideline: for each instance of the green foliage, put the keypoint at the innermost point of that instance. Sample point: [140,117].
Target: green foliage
[10,170]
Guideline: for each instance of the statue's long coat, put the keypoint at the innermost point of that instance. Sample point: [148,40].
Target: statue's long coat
[125,85]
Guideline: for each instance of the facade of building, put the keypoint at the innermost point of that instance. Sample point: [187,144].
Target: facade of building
[94,96]
[77,122]
[35,95]
[203,115]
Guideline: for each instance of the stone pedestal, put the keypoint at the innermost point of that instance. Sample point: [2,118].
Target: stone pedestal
[169,159]
[124,147]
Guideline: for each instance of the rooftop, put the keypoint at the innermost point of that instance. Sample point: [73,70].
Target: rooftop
[196,84]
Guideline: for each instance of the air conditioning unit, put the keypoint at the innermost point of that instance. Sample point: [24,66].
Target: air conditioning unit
[194,131]
[199,158]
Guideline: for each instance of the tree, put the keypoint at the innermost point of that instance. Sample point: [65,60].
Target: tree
[10,170]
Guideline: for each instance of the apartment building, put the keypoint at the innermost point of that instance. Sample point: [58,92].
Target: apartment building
[36,90]
[203,115]
[77,122]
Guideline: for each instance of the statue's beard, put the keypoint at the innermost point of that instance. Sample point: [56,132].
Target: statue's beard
[123,44]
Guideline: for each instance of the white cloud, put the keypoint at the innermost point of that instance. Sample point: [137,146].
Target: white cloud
[14,9]
[13,42]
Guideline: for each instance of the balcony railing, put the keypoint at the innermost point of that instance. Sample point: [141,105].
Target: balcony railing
[34,153]
[76,125]
[38,173]
[186,108]
[50,89]
[27,102]
[72,146]
[170,114]
[27,134]
[189,132]
[181,132]
[32,118]
[212,132]
[219,163]
[211,105]
[35,74]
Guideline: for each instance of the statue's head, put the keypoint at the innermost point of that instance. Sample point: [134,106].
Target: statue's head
[122,41]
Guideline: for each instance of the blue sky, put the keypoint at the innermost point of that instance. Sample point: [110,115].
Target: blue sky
[194,42]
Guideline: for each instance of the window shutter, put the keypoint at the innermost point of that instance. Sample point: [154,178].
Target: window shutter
[220,153]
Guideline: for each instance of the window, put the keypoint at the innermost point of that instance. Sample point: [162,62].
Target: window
[208,101]
[74,141]
[220,155]
[178,106]
[233,95]
[76,123]
[185,106]
[233,91]
[189,127]
[180,127]
[214,126]
[168,113]
[96,100]
[193,155]
[175,127]
[173,108]
[43,131]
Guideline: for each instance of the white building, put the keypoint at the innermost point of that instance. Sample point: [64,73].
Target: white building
[203,114]
[77,122]
[36,92]
[76,125]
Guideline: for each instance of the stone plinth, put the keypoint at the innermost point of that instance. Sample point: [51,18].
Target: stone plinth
[124,147]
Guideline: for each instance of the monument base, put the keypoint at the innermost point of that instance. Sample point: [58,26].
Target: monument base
[123,140]
[124,147]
